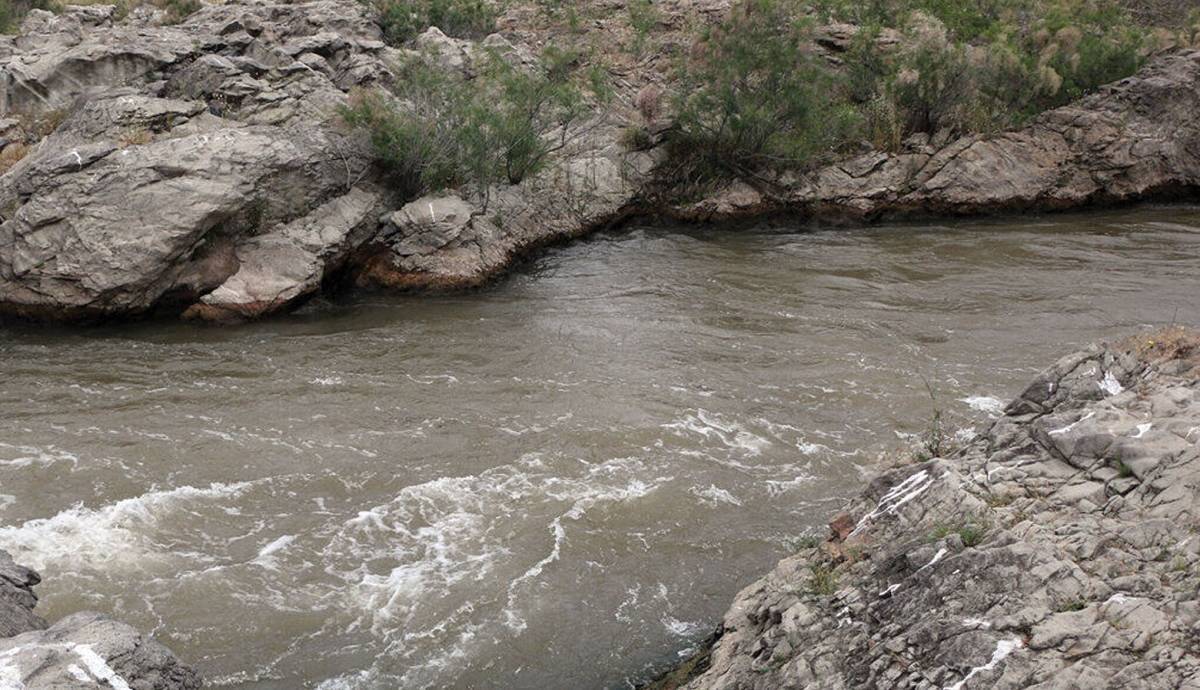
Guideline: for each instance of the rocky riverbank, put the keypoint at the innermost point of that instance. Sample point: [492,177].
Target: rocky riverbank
[201,169]
[1058,549]
[83,650]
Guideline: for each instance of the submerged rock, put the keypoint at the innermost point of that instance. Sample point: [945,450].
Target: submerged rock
[1058,549]
[84,650]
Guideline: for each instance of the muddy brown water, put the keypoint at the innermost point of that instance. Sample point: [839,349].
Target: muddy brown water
[559,481]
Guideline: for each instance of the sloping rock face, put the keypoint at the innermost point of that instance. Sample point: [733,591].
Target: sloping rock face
[181,146]
[1060,549]
[81,651]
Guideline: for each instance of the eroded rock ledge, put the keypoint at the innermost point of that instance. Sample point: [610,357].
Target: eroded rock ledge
[83,650]
[1059,549]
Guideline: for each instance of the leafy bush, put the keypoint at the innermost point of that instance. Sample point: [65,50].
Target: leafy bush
[980,66]
[438,130]
[403,20]
[752,96]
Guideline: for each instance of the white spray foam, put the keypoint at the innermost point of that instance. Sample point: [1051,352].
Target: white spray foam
[984,403]
[713,495]
[115,535]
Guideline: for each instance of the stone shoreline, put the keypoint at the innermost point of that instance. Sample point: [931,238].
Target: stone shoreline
[1060,548]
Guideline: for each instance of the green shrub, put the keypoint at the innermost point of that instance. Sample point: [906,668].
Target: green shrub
[13,11]
[438,130]
[752,96]
[403,20]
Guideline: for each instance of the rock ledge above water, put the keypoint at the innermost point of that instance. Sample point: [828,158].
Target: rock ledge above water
[1059,549]
[82,651]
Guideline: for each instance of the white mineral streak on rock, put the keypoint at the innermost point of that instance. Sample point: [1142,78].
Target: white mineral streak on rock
[1003,649]
[894,499]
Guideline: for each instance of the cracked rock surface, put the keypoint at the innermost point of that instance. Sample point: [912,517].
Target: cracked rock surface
[1059,549]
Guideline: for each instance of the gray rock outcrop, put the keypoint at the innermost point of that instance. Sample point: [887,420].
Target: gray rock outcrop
[80,652]
[1060,549]
[181,151]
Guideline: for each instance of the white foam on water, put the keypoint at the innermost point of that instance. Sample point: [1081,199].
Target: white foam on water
[1110,385]
[713,426]
[455,541]
[680,628]
[327,381]
[6,500]
[114,535]
[266,555]
[776,487]
[713,494]
[984,403]
[26,456]
[1003,649]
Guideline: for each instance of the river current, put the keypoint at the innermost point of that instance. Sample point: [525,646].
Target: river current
[557,481]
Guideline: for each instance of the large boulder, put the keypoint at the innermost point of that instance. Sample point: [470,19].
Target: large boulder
[84,650]
[172,147]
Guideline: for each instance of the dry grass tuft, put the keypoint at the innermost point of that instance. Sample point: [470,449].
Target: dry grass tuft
[11,155]
[1167,344]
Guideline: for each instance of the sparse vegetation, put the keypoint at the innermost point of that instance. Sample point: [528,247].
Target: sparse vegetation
[404,20]
[804,541]
[11,155]
[1077,604]
[823,580]
[438,130]
[971,531]
[754,95]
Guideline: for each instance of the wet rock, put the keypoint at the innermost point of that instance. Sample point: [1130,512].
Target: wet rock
[176,146]
[87,650]
[84,650]
[17,599]
[1027,559]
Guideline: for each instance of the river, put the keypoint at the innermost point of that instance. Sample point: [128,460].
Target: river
[557,481]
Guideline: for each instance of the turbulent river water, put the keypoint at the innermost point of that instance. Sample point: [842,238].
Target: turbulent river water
[559,481]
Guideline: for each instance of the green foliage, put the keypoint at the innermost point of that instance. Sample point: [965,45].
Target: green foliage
[971,531]
[438,130]
[754,95]
[751,96]
[403,20]
[13,11]
[981,66]
[643,16]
